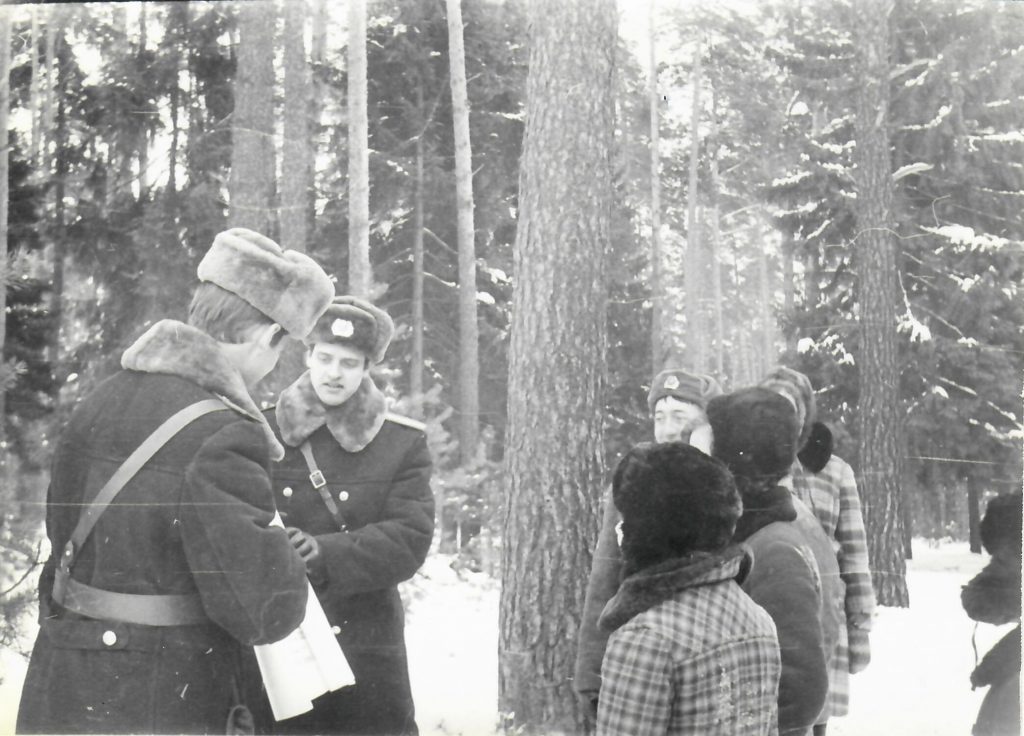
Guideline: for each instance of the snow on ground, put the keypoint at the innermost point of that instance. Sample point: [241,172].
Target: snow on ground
[917,683]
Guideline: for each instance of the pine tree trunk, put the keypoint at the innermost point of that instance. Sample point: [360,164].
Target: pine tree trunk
[766,353]
[44,162]
[716,247]
[789,292]
[251,185]
[416,366]
[360,275]
[554,471]
[144,131]
[973,515]
[691,270]
[55,46]
[469,339]
[35,102]
[659,347]
[879,418]
[297,149]
[5,105]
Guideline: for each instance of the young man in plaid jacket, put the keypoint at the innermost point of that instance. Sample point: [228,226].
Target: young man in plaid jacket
[690,652]
[826,485]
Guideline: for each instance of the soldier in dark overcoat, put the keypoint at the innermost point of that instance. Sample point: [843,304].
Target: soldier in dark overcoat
[354,492]
[143,624]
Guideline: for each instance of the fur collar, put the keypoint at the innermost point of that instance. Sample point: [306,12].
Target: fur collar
[762,508]
[353,424]
[177,349]
[647,588]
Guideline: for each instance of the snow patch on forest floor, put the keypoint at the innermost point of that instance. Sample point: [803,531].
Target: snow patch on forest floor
[917,683]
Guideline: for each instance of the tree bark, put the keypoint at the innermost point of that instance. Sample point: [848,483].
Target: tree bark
[973,515]
[659,349]
[297,149]
[54,47]
[691,270]
[788,292]
[554,471]
[5,105]
[766,353]
[35,102]
[878,415]
[716,246]
[469,339]
[142,144]
[251,185]
[50,73]
[416,366]
[360,275]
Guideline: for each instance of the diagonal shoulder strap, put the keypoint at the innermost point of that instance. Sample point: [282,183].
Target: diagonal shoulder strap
[317,480]
[92,511]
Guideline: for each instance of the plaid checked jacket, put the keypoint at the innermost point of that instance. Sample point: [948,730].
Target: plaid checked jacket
[832,495]
[691,653]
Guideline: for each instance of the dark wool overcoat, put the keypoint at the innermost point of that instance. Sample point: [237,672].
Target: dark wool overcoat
[784,580]
[193,521]
[377,469]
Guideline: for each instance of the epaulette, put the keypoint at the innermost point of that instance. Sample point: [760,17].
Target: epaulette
[405,421]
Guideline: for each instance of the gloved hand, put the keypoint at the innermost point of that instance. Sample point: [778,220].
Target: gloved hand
[309,550]
[860,649]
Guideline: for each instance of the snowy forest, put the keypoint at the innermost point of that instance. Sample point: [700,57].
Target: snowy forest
[553,204]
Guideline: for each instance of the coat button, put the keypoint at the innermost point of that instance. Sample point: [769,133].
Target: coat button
[335,630]
[109,638]
[287,493]
[343,496]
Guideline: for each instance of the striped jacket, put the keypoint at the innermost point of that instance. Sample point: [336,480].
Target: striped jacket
[691,653]
[832,495]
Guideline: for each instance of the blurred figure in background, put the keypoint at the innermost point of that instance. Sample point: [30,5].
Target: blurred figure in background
[993,596]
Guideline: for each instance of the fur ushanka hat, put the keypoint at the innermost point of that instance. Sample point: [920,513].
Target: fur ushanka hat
[693,388]
[754,430]
[1001,525]
[798,387]
[350,320]
[287,286]
[674,500]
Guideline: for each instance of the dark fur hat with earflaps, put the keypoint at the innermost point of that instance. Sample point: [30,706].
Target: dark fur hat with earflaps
[674,501]
[350,320]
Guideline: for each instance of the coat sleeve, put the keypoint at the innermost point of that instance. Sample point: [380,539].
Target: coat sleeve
[252,583]
[638,688]
[386,552]
[854,567]
[605,575]
[783,583]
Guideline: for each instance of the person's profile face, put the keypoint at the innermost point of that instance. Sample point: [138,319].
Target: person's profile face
[674,420]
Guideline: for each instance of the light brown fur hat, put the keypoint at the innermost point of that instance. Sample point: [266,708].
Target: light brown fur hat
[287,286]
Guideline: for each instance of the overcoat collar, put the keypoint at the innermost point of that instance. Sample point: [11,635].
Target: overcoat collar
[763,508]
[177,349]
[353,424]
[647,588]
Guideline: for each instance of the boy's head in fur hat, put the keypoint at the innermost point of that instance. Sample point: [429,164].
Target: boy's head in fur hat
[674,500]
[677,400]
[249,291]
[795,387]
[350,337]
[755,431]
[286,286]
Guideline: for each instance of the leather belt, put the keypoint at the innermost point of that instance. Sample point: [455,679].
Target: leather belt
[106,605]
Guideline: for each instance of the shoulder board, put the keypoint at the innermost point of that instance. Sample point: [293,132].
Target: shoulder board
[405,421]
